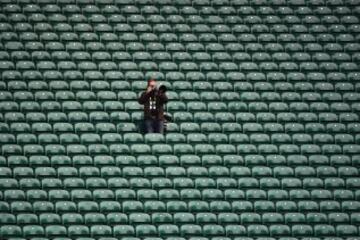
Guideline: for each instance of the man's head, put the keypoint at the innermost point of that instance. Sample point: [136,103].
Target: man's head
[152,83]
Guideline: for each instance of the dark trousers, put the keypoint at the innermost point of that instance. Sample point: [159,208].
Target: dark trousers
[153,126]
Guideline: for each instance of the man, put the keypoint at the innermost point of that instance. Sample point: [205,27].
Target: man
[153,100]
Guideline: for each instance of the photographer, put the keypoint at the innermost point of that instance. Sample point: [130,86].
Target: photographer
[153,100]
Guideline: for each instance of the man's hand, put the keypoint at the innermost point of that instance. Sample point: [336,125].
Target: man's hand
[149,89]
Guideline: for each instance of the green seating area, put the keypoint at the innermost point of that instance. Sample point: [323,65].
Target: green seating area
[265,98]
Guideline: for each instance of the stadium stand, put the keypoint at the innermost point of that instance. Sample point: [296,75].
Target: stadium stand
[265,97]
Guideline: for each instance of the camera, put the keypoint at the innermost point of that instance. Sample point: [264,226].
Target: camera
[162,88]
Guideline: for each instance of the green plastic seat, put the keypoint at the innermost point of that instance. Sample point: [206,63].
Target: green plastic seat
[10,231]
[145,230]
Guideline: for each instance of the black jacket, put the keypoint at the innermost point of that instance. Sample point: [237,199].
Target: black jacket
[161,99]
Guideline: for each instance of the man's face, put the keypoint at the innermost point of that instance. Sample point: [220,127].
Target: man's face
[152,84]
